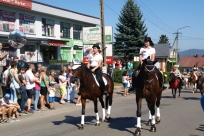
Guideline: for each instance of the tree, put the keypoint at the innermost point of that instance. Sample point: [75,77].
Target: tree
[163,39]
[130,31]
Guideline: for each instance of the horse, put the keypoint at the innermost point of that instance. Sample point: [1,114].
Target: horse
[175,84]
[194,81]
[200,84]
[147,86]
[90,90]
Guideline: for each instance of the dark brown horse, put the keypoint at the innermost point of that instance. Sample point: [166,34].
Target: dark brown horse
[200,84]
[90,90]
[175,84]
[147,86]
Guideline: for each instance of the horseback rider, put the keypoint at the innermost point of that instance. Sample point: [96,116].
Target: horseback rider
[94,63]
[177,74]
[149,51]
[202,70]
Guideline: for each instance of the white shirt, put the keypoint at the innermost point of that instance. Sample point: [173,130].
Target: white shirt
[124,80]
[60,82]
[2,102]
[95,59]
[52,93]
[145,52]
[5,76]
[28,76]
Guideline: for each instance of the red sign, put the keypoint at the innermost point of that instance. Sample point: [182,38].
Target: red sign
[109,60]
[20,3]
[56,43]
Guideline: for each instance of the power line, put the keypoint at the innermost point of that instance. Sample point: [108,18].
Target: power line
[156,16]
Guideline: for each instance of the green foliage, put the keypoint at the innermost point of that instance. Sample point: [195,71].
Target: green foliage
[166,77]
[163,39]
[130,31]
[136,64]
[57,61]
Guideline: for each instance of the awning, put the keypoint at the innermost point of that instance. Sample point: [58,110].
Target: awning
[53,43]
[171,60]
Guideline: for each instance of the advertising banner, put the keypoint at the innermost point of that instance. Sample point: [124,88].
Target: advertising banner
[19,3]
[92,35]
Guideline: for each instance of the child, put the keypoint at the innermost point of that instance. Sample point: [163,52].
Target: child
[52,95]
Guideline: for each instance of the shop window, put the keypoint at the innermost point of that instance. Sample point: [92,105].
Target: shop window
[48,27]
[7,21]
[77,32]
[26,23]
[64,30]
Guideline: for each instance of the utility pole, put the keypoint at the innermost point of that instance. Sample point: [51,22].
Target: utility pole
[104,68]
[176,39]
[103,32]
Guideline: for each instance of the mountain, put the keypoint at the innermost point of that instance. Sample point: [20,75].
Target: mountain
[191,52]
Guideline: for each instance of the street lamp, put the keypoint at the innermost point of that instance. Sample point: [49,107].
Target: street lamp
[177,41]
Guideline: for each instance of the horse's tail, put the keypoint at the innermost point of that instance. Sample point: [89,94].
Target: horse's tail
[107,102]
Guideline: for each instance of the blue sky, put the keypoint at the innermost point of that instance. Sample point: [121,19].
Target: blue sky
[161,17]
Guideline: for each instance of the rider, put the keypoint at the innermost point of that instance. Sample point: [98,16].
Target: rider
[149,51]
[195,70]
[177,74]
[94,63]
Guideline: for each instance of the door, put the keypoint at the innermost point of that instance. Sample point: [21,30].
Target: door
[66,53]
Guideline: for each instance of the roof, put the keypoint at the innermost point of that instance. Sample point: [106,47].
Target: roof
[34,1]
[190,61]
[162,50]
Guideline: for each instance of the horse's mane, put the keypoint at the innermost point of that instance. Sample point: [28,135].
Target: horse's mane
[88,71]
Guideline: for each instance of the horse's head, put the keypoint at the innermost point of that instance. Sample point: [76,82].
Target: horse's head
[77,71]
[172,77]
[148,69]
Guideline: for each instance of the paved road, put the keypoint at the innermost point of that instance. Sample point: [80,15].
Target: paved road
[179,117]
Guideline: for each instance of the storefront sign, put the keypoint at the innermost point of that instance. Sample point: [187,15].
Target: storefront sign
[92,35]
[56,43]
[109,60]
[19,3]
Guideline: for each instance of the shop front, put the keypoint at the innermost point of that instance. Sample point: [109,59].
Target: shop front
[72,50]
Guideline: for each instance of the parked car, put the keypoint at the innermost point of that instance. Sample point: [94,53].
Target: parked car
[56,67]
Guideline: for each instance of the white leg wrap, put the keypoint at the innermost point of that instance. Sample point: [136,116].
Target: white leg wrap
[104,113]
[97,118]
[82,119]
[139,122]
[109,109]
[153,120]
[150,116]
[158,112]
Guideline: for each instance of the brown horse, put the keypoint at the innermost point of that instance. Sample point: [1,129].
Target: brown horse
[90,90]
[200,84]
[194,79]
[175,84]
[147,86]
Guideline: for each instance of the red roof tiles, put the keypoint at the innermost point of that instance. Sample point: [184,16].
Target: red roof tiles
[190,61]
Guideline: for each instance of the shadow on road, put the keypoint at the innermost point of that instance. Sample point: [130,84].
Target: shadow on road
[75,120]
[191,98]
[171,97]
[200,128]
[125,124]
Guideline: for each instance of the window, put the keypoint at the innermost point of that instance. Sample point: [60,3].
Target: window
[48,27]
[7,21]
[26,23]
[77,32]
[64,30]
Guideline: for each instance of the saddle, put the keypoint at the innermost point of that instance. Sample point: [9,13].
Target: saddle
[175,84]
[104,80]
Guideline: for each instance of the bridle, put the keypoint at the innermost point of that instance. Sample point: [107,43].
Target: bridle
[80,77]
[149,81]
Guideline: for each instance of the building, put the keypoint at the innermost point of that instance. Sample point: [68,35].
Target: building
[51,31]
[187,62]
[162,55]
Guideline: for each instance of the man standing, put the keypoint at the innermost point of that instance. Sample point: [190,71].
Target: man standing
[3,56]
[30,86]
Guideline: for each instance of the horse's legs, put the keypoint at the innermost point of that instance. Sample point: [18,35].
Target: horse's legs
[139,113]
[150,116]
[152,109]
[109,100]
[96,111]
[158,119]
[103,109]
[83,101]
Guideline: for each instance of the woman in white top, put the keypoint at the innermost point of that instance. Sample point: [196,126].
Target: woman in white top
[62,85]
[149,51]
[94,63]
